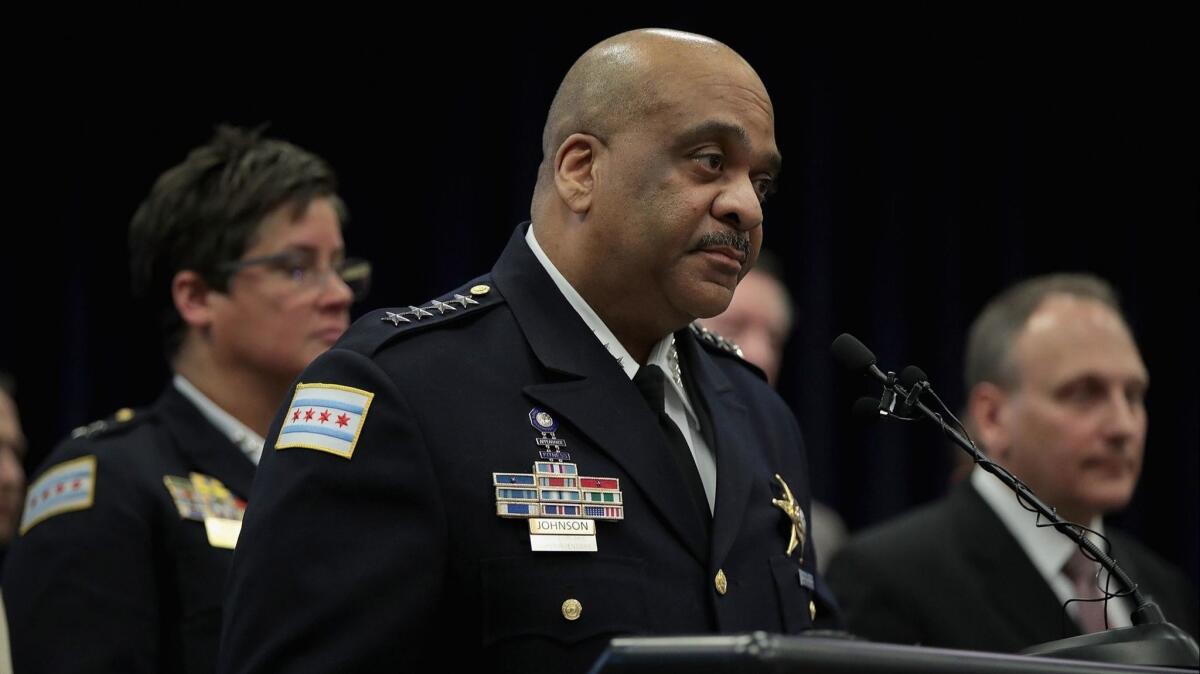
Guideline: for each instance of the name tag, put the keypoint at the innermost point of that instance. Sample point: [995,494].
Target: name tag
[565,535]
[806,579]
[222,533]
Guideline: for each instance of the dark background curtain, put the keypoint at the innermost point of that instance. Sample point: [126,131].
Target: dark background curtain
[927,165]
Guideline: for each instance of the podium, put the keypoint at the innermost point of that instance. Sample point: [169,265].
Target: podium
[762,653]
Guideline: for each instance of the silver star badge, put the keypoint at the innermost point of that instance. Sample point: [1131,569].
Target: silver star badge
[463,300]
[442,307]
[395,318]
[417,312]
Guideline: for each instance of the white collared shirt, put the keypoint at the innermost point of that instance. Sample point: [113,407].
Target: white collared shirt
[241,435]
[677,404]
[1045,546]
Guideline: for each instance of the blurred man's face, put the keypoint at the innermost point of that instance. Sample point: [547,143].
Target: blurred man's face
[1074,428]
[12,475]
[758,320]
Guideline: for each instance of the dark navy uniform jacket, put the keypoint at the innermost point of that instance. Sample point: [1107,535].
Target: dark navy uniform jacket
[394,559]
[126,584]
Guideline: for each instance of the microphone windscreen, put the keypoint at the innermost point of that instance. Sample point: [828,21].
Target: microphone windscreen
[911,375]
[866,409]
[851,353]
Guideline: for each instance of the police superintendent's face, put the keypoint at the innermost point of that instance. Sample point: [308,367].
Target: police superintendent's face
[683,203]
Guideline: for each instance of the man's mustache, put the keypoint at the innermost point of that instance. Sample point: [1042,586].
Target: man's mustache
[735,240]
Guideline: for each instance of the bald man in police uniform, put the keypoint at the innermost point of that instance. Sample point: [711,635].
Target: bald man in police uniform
[511,474]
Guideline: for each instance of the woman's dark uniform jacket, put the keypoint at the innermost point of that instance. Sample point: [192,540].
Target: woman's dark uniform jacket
[395,558]
[127,584]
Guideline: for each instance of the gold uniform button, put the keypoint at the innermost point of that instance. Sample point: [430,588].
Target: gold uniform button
[480,289]
[721,583]
[124,414]
[812,610]
[571,608]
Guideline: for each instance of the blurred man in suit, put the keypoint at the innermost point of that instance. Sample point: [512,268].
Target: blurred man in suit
[1056,395]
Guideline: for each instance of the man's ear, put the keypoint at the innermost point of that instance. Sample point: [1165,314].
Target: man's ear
[987,407]
[193,298]
[575,170]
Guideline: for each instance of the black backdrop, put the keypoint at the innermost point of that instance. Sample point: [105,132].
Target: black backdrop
[926,168]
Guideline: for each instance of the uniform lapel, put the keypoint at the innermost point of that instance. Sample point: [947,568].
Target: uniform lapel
[588,388]
[715,398]
[204,446]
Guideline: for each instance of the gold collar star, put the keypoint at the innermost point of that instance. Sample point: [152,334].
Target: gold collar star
[792,509]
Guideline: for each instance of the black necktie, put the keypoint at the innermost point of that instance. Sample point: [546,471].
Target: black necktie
[651,382]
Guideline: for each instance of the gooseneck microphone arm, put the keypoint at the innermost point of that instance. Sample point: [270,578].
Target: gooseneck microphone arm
[856,357]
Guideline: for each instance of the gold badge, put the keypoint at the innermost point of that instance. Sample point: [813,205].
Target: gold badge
[480,289]
[792,509]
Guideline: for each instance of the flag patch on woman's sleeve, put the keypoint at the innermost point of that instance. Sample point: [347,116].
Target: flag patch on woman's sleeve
[68,486]
[325,417]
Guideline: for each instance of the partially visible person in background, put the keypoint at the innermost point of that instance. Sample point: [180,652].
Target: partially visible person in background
[129,526]
[12,491]
[760,320]
[1056,394]
[12,473]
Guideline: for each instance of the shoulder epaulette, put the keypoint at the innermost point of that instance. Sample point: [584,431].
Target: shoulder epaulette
[119,420]
[724,347]
[714,341]
[381,327]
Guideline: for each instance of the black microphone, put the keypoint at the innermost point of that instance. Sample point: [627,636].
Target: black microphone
[915,380]
[867,409]
[855,356]
[912,375]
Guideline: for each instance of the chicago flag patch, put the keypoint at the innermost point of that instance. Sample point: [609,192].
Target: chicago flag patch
[68,486]
[325,417]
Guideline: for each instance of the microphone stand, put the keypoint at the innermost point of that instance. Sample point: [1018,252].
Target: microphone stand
[1150,641]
